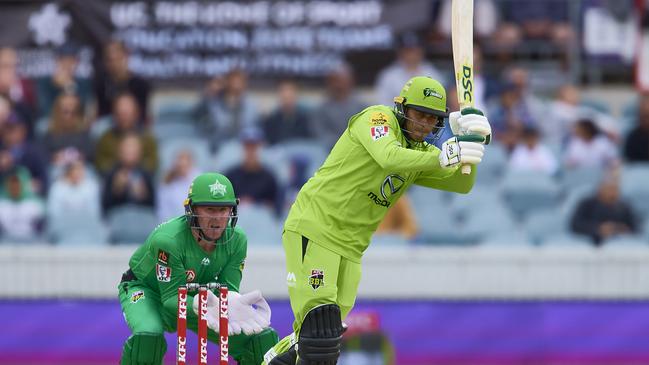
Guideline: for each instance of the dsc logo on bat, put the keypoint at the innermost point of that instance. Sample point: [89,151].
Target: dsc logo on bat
[467,83]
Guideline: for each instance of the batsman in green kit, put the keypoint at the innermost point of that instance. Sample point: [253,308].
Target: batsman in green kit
[202,246]
[379,156]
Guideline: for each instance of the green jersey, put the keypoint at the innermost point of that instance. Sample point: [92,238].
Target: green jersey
[368,169]
[171,257]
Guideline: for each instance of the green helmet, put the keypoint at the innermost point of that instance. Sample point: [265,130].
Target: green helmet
[424,94]
[212,189]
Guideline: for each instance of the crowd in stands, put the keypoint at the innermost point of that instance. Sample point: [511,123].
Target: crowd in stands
[76,153]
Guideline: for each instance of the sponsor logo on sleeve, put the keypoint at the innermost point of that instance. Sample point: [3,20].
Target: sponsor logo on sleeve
[135,297]
[316,279]
[190,275]
[163,273]
[379,132]
[163,257]
[378,118]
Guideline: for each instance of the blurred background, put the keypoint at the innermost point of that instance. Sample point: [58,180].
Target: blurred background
[108,109]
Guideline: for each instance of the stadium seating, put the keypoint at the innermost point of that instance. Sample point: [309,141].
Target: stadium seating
[525,192]
[567,240]
[635,187]
[388,240]
[131,224]
[546,223]
[260,225]
[199,148]
[630,241]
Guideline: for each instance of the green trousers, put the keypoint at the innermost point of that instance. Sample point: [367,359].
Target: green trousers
[143,312]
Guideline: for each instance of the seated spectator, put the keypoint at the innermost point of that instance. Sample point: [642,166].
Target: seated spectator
[126,115]
[636,146]
[532,155]
[565,110]
[400,220]
[74,193]
[226,108]
[21,212]
[515,108]
[19,151]
[63,80]
[605,214]
[115,78]
[173,189]
[19,92]
[341,102]
[410,62]
[289,120]
[128,182]
[253,182]
[67,130]
[589,148]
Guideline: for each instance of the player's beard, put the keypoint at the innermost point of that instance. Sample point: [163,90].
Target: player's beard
[410,133]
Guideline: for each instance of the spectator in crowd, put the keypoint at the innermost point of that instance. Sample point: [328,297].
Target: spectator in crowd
[605,214]
[341,102]
[565,110]
[400,220]
[126,117]
[365,342]
[73,194]
[530,154]
[636,146]
[128,182]
[410,62]
[19,92]
[226,108]
[540,20]
[515,108]
[173,189]
[21,212]
[290,119]
[19,151]
[67,130]
[588,147]
[115,78]
[254,183]
[63,80]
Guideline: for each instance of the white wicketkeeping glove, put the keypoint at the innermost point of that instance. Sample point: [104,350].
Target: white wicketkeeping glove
[470,121]
[461,150]
[212,316]
[249,313]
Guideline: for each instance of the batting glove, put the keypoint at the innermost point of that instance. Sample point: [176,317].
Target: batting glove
[462,150]
[470,121]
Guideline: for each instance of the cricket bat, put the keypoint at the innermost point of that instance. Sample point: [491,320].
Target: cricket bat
[462,39]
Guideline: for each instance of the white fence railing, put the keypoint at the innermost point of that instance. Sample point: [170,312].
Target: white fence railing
[388,273]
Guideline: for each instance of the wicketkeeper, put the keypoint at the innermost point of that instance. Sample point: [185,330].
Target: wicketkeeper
[380,154]
[202,246]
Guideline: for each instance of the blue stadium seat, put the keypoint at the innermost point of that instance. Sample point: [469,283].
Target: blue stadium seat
[511,239]
[131,224]
[480,196]
[173,111]
[546,223]
[174,130]
[485,221]
[567,240]
[525,192]
[572,178]
[228,154]
[260,225]
[627,241]
[493,165]
[437,227]
[635,187]
[100,126]
[385,239]
[199,148]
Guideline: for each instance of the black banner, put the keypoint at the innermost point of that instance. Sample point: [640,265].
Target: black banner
[180,40]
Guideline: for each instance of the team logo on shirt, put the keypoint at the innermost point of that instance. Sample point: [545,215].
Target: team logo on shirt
[163,273]
[163,257]
[205,261]
[190,275]
[135,297]
[379,132]
[378,118]
[316,279]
